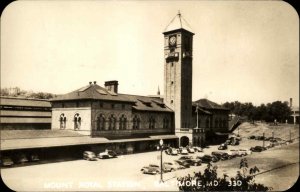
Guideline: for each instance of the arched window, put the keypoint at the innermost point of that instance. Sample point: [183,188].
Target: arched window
[101,122]
[77,121]
[135,122]
[62,121]
[112,122]
[123,122]
[151,122]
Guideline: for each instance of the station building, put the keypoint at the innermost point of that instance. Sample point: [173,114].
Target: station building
[96,118]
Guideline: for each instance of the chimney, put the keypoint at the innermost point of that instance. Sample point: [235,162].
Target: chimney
[111,86]
[95,82]
[90,83]
[291,102]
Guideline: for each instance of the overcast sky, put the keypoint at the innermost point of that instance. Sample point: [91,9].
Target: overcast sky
[243,50]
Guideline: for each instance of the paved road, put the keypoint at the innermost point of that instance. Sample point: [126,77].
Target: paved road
[122,173]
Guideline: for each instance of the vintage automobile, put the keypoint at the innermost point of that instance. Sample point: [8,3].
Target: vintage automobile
[89,155]
[172,166]
[208,158]
[184,151]
[33,157]
[198,149]
[107,154]
[244,152]
[223,146]
[20,158]
[6,161]
[221,155]
[193,162]
[190,150]
[151,169]
[171,151]
[258,149]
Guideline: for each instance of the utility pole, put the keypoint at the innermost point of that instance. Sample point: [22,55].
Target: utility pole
[161,142]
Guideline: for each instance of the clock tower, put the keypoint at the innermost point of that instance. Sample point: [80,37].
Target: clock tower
[178,50]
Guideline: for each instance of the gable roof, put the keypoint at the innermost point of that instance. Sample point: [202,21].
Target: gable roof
[207,104]
[144,103]
[25,102]
[96,92]
[92,91]
[178,22]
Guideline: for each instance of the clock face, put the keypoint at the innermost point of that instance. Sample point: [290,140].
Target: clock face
[172,40]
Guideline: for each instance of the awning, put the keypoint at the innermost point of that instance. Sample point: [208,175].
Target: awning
[10,144]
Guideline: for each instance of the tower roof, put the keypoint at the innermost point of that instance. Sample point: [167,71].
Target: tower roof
[178,22]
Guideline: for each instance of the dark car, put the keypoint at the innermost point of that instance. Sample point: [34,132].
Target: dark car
[183,163]
[33,157]
[235,142]
[6,161]
[208,158]
[221,155]
[171,151]
[223,146]
[193,162]
[258,149]
[107,154]
[20,158]
[251,137]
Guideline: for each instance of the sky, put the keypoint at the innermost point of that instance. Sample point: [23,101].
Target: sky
[242,50]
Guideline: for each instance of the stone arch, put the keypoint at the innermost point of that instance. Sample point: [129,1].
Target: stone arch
[184,141]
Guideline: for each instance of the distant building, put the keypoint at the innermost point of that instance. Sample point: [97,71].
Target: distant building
[20,113]
[295,113]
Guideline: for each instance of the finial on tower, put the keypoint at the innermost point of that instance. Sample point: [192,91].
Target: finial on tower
[179,14]
[158,91]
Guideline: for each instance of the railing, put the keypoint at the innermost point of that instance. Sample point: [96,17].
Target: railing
[233,122]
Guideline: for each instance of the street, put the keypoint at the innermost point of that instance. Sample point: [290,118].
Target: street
[123,173]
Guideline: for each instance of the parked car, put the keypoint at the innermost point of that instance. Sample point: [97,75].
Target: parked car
[193,162]
[233,153]
[235,142]
[245,152]
[208,158]
[221,155]
[20,158]
[198,149]
[107,154]
[251,137]
[89,155]
[184,151]
[172,166]
[171,151]
[260,138]
[151,169]
[34,157]
[190,150]
[183,163]
[6,161]
[258,149]
[223,146]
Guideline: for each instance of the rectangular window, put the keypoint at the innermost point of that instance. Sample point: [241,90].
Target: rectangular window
[101,105]
[112,106]
[123,106]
